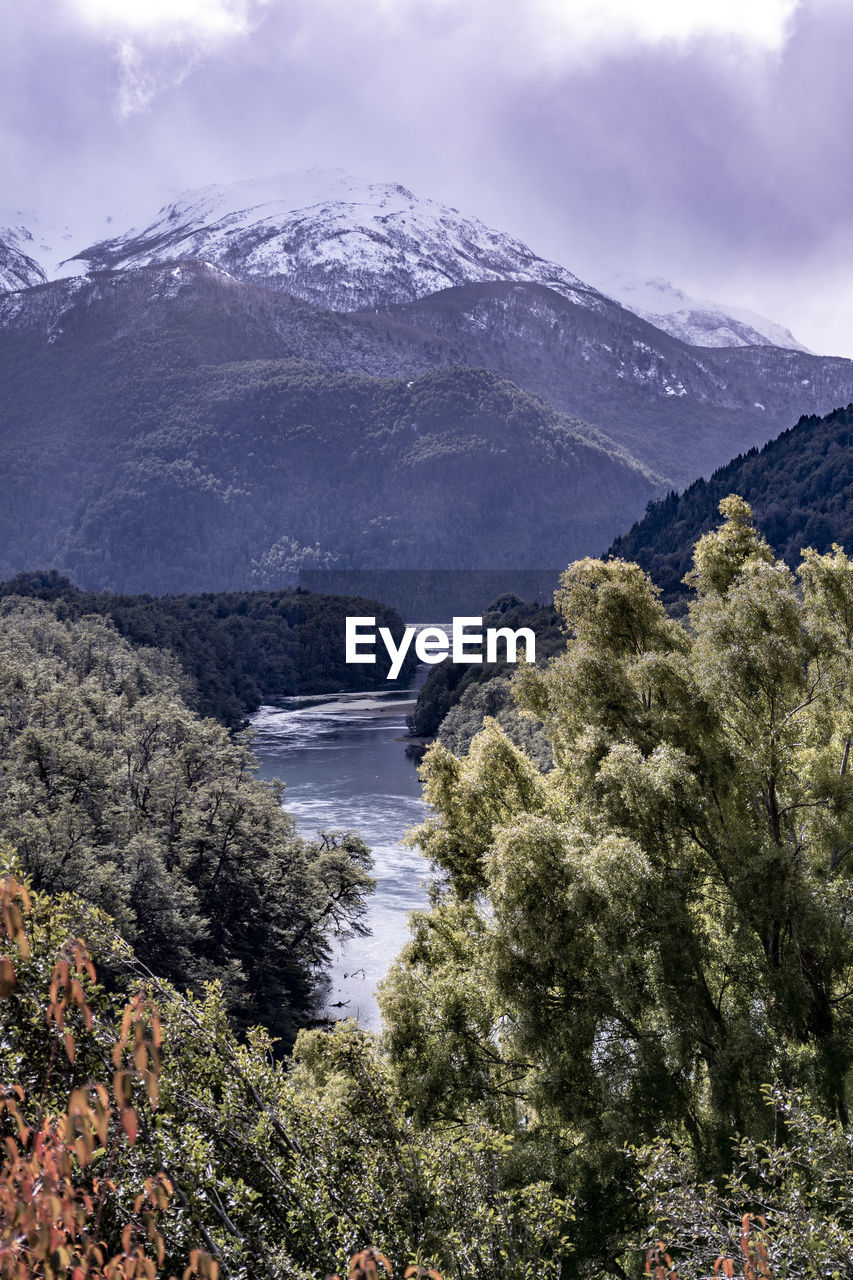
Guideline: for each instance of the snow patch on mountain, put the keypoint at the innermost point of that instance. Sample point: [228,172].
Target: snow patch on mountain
[18,266]
[338,241]
[346,244]
[46,243]
[696,321]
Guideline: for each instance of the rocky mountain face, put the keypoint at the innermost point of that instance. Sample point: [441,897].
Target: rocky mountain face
[18,270]
[161,352]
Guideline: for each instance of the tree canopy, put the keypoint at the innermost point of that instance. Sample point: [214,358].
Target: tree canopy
[275,1174]
[634,943]
[114,789]
[237,649]
[799,486]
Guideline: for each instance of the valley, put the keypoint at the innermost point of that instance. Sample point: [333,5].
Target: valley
[624,890]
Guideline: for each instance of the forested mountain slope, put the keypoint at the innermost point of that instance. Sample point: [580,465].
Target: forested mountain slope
[168,447]
[800,487]
[236,649]
[113,789]
[678,409]
[322,372]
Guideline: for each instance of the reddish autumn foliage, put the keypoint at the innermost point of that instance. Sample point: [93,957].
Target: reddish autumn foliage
[753,1244]
[365,1266]
[50,1211]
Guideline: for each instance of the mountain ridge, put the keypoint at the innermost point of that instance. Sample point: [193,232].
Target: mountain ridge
[347,243]
[173,447]
[696,321]
[173,427]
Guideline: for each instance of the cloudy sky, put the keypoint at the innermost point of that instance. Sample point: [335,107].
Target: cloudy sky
[708,141]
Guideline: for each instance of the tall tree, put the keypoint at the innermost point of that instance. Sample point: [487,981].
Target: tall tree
[634,943]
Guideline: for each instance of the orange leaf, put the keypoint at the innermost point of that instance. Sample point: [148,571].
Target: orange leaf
[130,1124]
[7,976]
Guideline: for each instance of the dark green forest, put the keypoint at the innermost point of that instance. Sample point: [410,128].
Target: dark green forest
[115,790]
[236,649]
[455,699]
[182,450]
[800,487]
[621,1033]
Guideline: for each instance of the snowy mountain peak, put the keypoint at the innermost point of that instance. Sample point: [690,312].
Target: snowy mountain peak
[696,321]
[336,240]
[347,244]
[282,194]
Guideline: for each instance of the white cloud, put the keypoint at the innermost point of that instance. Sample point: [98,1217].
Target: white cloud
[141,78]
[206,21]
[580,31]
[607,23]
[160,42]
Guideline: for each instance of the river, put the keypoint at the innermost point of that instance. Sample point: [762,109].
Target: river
[343,760]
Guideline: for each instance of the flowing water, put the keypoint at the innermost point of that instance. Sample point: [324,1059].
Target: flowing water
[343,760]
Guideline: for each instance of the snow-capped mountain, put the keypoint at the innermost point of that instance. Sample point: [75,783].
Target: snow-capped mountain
[18,267]
[338,241]
[156,387]
[45,239]
[696,321]
[347,244]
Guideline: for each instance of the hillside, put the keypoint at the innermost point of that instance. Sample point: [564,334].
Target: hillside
[436,287]
[236,650]
[679,410]
[163,448]
[800,487]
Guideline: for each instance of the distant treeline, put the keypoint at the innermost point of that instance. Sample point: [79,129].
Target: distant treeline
[239,648]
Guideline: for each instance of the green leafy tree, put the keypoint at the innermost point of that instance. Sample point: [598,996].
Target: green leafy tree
[114,789]
[277,1174]
[791,1195]
[634,943]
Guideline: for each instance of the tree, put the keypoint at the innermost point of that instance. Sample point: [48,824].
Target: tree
[633,944]
[786,1203]
[136,1126]
[112,788]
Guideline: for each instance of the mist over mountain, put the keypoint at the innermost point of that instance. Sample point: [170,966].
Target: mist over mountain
[698,322]
[319,371]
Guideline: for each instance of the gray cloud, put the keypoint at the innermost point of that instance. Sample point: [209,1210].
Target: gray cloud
[719,162]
